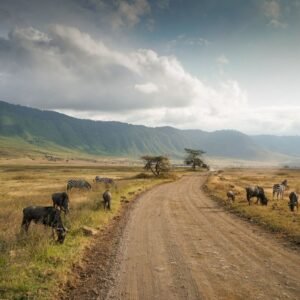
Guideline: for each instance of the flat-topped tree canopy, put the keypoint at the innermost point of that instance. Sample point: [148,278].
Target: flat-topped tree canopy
[193,158]
[156,164]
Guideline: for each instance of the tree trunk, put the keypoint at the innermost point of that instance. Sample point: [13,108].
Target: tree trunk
[194,166]
[157,169]
[153,171]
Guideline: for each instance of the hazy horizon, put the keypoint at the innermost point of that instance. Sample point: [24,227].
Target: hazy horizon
[208,65]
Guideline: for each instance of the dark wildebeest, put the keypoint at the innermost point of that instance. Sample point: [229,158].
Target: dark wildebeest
[258,192]
[46,215]
[61,200]
[293,201]
[78,183]
[106,199]
[279,188]
[231,195]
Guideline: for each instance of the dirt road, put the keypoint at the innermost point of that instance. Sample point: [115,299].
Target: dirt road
[174,242]
[178,244]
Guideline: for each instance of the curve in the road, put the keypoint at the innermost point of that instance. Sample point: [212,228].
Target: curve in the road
[178,244]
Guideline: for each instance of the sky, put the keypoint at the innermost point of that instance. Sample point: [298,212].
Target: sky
[201,64]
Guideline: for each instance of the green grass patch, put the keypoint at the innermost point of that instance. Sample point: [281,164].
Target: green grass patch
[33,266]
[276,217]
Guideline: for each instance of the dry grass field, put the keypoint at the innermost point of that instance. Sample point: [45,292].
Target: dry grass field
[33,266]
[276,216]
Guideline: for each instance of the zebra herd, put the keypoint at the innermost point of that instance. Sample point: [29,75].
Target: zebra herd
[258,192]
[51,215]
[83,184]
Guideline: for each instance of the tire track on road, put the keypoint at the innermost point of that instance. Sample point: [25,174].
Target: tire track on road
[179,244]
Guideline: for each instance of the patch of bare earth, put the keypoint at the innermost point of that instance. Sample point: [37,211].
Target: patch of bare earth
[92,278]
[177,243]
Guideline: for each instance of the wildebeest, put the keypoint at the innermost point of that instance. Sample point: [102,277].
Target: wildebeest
[279,189]
[293,201]
[106,199]
[61,200]
[231,195]
[258,192]
[78,183]
[46,215]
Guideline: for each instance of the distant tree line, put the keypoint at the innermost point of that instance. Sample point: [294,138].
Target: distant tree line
[161,164]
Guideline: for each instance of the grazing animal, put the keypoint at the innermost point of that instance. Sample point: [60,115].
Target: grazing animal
[105,180]
[97,179]
[258,192]
[61,200]
[78,183]
[279,189]
[106,199]
[293,201]
[231,195]
[46,215]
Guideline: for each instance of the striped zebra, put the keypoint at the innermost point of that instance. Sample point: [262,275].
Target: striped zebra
[78,183]
[105,180]
[279,188]
[108,182]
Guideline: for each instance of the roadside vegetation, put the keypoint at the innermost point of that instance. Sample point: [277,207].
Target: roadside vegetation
[193,158]
[158,165]
[276,216]
[34,266]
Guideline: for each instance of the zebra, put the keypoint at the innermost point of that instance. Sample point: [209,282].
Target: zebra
[105,180]
[108,182]
[78,183]
[279,189]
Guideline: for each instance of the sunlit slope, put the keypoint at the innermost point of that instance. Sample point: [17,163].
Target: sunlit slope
[44,129]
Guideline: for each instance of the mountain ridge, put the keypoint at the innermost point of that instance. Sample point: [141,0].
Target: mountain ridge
[113,138]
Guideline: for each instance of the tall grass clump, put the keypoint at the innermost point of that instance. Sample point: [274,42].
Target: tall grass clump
[277,216]
[33,265]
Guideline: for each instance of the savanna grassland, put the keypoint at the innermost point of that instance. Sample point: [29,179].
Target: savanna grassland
[277,216]
[33,266]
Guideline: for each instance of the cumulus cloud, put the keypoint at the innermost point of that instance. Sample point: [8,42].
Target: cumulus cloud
[147,88]
[130,13]
[249,119]
[277,24]
[66,68]
[273,11]
[91,15]
[70,71]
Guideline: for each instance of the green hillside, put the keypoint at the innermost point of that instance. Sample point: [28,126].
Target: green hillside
[289,145]
[47,129]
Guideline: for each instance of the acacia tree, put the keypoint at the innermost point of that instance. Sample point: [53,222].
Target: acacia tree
[193,158]
[156,164]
